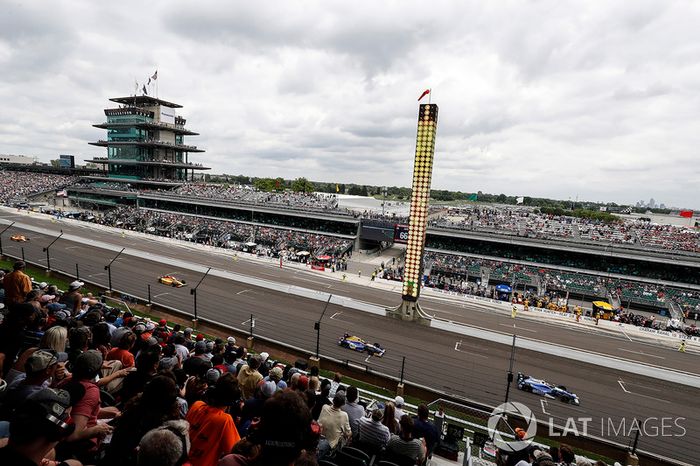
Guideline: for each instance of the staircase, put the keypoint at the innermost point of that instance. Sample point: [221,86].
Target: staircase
[614,300]
[485,273]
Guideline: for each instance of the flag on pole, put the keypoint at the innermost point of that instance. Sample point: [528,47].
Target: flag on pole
[337,188]
[155,75]
[686,213]
[149,81]
[520,199]
[145,92]
[425,92]
[136,87]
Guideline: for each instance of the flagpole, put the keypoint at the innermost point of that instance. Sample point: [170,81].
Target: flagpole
[430,96]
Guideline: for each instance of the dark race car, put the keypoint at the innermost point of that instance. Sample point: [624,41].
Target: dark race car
[358,344]
[546,389]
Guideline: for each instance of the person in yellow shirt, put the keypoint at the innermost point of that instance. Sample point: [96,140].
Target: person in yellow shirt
[514,312]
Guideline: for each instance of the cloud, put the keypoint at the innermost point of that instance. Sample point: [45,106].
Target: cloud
[545,98]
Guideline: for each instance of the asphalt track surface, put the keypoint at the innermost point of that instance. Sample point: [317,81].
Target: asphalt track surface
[471,368]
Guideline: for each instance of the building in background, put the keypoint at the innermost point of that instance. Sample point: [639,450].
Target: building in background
[145,141]
[10,159]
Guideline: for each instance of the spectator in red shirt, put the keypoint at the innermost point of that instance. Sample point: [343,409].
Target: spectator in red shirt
[122,352]
[84,440]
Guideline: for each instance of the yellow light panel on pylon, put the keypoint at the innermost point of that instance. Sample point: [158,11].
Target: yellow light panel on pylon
[420,195]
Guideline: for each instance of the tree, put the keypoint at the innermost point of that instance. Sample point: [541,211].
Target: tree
[264,184]
[302,185]
[56,163]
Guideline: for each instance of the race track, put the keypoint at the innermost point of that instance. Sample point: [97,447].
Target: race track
[467,367]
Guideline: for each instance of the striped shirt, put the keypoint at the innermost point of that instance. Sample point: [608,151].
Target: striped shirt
[372,432]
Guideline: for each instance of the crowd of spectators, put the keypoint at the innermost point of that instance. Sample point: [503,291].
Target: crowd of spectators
[85,383]
[452,272]
[507,220]
[247,194]
[529,223]
[18,186]
[266,241]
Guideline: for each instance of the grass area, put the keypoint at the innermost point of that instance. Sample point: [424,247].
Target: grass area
[40,275]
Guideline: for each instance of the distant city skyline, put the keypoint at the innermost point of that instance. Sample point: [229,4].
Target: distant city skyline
[549,99]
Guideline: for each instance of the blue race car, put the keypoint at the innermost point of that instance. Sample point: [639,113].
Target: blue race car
[546,389]
[358,344]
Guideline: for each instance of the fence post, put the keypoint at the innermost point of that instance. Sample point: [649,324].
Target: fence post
[250,339]
[399,387]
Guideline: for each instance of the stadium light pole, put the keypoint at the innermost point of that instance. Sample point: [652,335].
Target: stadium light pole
[510,369]
[108,268]
[1,232]
[193,292]
[46,250]
[317,326]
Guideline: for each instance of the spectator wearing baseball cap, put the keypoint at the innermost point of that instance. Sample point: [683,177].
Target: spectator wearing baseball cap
[36,427]
[72,298]
[252,407]
[39,368]
[398,403]
[264,369]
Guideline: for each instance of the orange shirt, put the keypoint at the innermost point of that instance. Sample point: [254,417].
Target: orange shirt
[17,284]
[122,355]
[212,434]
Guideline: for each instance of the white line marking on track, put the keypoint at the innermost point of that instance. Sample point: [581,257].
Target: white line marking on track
[642,353]
[368,357]
[243,291]
[543,403]
[625,334]
[469,352]
[457,344]
[73,247]
[97,274]
[622,385]
[161,294]
[336,314]
[518,328]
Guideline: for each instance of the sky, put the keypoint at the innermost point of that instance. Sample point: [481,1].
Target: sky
[563,99]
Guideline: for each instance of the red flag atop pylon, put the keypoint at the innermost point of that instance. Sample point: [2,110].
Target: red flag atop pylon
[425,92]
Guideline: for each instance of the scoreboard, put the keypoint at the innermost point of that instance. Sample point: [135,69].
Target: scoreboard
[401,234]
